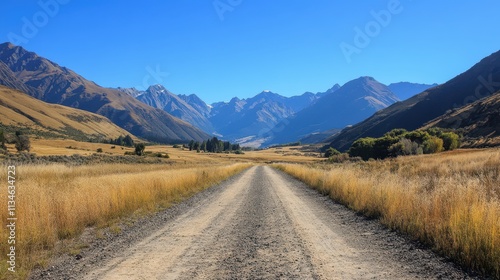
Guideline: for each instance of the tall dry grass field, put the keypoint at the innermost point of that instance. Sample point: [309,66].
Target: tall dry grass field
[449,201]
[57,202]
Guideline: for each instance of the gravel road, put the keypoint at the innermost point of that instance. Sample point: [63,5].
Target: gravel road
[261,224]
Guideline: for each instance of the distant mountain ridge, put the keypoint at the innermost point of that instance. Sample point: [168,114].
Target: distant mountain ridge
[233,120]
[55,84]
[351,103]
[248,119]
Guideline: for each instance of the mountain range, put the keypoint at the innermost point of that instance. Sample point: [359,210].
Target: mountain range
[237,120]
[269,118]
[362,107]
[47,81]
[246,119]
[157,114]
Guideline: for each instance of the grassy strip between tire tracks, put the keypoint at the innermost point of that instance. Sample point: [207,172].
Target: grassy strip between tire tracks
[56,202]
[449,201]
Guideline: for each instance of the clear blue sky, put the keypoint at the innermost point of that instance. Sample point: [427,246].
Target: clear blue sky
[246,46]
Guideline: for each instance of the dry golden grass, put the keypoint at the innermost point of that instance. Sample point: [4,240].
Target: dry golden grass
[57,202]
[43,147]
[450,201]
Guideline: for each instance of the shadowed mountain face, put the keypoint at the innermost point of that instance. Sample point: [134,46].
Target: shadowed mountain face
[55,84]
[480,81]
[405,90]
[8,79]
[353,102]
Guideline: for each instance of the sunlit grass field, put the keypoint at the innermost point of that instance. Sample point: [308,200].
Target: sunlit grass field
[57,202]
[44,147]
[450,201]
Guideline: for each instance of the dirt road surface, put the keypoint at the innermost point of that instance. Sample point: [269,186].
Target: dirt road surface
[261,224]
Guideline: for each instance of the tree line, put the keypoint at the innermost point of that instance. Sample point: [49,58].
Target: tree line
[400,142]
[126,141]
[213,145]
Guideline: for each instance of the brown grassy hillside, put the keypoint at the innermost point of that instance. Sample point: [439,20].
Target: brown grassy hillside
[25,112]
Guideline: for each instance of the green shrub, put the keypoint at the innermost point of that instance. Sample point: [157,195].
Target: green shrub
[451,141]
[331,152]
[396,132]
[418,136]
[433,145]
[99,150]
[362,148]
[405,147]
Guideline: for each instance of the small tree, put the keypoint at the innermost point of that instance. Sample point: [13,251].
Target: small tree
[451,141]
[196,146]
[139,149]
[433,145]
[331,152]
[128,141]
[191,145]
[22,142]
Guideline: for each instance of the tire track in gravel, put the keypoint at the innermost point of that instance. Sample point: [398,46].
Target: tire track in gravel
[161,253]
[267,225]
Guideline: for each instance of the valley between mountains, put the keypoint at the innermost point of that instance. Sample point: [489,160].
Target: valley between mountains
[261,224]
[126,183]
